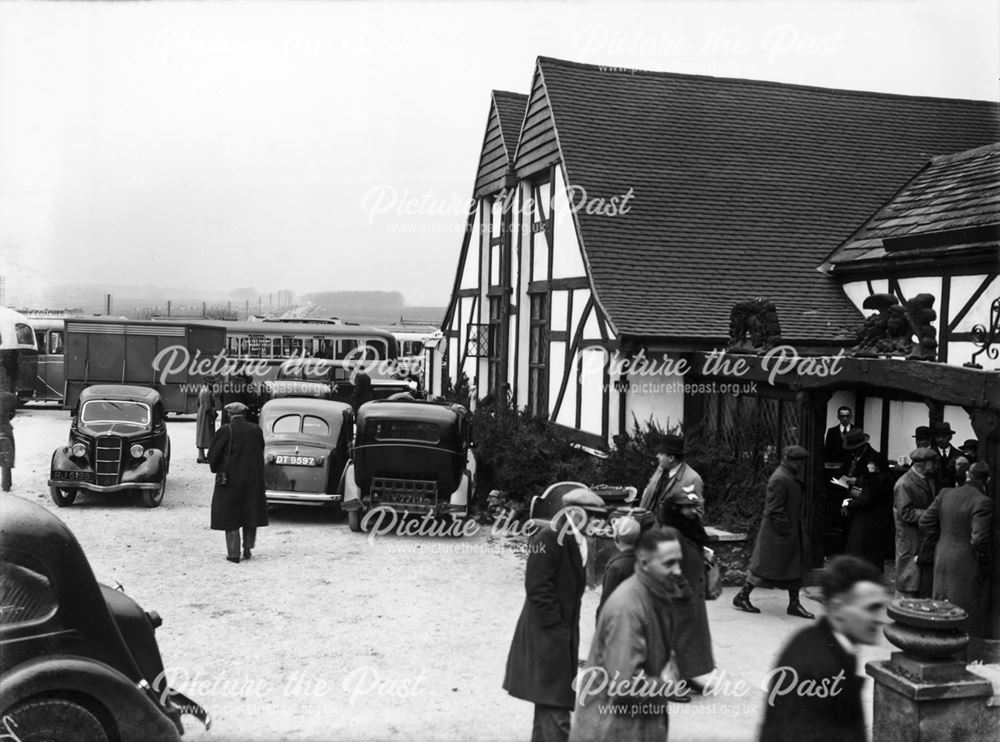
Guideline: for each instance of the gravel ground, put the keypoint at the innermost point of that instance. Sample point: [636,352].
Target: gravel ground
[323,635]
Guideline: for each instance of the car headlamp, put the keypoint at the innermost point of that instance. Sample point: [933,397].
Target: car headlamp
[78,450]
[137,451]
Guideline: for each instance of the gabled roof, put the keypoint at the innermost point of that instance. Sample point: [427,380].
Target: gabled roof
[499,142]
[951,206]
[740,188]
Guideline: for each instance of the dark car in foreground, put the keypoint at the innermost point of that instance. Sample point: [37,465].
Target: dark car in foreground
[305,449]
[78,660]
[118,442]
[414,457]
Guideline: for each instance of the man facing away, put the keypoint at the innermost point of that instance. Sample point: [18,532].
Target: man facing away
[622,565]
[824,655]
[623,688]
[781,553]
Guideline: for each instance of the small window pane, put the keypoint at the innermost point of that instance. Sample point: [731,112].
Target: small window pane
[313,425]
[286,424]
[55,342]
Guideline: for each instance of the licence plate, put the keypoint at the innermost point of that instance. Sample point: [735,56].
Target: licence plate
[296,460]
[394,498]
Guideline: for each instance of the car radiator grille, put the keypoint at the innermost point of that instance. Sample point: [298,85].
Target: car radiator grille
[411,491]
[108,459]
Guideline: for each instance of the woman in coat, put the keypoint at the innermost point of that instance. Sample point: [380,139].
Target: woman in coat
[692,640]
[870,511]
[237,451]
[205,420]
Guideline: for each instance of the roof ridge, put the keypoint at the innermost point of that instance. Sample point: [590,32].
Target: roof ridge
[966,154]
[635,72]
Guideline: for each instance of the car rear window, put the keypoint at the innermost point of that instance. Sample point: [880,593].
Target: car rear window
[312,425]
[307,424]
[115,411]
[26,594]
[406,430]
[286,424]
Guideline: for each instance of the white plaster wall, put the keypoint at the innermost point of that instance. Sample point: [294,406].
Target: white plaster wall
[959,353]
[567,262]
[962,289]
[960,423]
[857,292]
[523,305]
[470,272]
[592,395]
[873,421]
[923,285]
[904,417]
[559,308]
[557,359]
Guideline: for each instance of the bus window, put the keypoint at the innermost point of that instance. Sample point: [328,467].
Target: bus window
[275,347]
[55,342]
[376,349]
[344,348]
[325,349]
[297,347]
[40,340]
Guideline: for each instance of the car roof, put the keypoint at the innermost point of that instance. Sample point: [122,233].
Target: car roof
[409,410]
[304,405]
[120,391]
[28,527]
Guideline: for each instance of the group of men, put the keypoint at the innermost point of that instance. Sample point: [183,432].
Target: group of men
[652,644]
[938,509]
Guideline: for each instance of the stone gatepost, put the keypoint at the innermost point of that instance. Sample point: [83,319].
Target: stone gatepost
[924,693]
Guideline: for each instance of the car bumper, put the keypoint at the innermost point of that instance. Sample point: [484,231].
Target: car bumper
[73,484]
[302,498]
[413,508]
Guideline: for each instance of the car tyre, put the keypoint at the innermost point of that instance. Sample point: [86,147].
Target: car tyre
[152,498]
[62,497]
[354,520]
[55,719]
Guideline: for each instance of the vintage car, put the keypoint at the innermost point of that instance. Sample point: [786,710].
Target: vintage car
[415,457]
[78,660]
[306,445]
[117,443]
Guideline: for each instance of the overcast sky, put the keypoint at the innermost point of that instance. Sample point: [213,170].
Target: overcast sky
[287,145]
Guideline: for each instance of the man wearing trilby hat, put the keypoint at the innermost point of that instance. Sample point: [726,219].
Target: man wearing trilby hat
[671,477]
[948,453]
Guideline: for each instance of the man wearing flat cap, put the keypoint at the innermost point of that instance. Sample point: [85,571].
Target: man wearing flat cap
[236,456]
[671,478]
[912,494]
[781,554]
[544,652]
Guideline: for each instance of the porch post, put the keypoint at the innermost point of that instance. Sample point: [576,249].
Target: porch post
[986,424]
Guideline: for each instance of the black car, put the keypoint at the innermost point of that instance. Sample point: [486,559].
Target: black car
[117,443]
[78,660]
[415,457]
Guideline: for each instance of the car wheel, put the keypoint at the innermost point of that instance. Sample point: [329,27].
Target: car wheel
[55,719]
[354,520]
[62,497]
[152,498]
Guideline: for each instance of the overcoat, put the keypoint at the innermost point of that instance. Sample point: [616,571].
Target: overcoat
[911,495]
[633,634]
[238,450]
[544,652]
[662,486]
[205,420]
[814,654]
[618,569]
[962,519]
[782,548]
[692,638]
[8,408]
[871,519]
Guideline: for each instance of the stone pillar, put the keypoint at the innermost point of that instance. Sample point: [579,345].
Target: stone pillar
[924,693]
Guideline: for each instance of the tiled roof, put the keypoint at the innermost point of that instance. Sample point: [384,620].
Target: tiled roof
[946,208]
[510,108]
[740,188]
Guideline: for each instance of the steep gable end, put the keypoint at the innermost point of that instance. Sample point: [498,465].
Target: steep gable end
[537,147]
[499,142]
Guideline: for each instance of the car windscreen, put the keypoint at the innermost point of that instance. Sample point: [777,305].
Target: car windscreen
[404,430]
[115,411]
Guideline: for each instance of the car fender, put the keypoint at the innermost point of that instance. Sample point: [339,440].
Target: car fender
[150,468]
[460,496]
[63,461]
[352,493]
[134,712]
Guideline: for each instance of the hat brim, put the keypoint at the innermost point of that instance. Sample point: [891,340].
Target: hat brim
[858,444]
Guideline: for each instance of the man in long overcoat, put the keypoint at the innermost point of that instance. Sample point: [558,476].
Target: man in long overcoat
[622,693]
[671,477]
[8,407]
[912,494]
[544,652]
[962,520]
[948,454]
[781,554]
[238,451]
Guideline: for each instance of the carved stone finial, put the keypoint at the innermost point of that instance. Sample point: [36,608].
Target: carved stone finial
[754,326]
[898,329]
